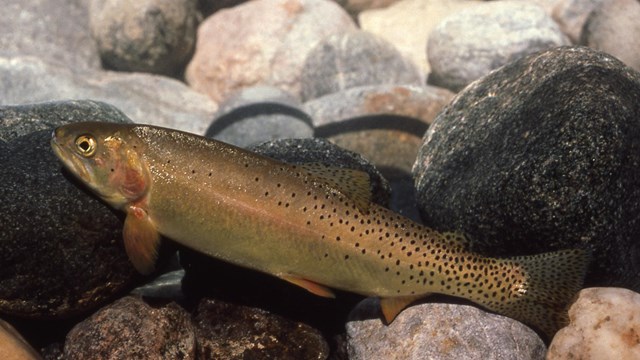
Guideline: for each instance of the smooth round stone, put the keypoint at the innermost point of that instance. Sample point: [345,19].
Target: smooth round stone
[156,36]
[614,27]
[469,44]
[262,42]
[61,249]
[571,15]
[259,114]
[353,59]
[542,155]
[439,331]
[13,346]
[130,328]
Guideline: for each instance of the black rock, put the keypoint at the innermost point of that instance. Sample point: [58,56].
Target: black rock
[540,155]
[61,250]
[227,331]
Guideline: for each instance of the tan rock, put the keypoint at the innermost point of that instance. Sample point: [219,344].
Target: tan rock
[13,346]
[605,324]
[262,42]
[407,24]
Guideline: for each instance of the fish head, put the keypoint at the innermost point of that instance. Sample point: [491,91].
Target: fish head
[106,158]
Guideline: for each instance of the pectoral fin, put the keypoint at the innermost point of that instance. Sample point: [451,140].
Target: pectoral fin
[310,286]
[141,240]
[391,307]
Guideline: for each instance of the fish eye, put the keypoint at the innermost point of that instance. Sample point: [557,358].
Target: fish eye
[86,145]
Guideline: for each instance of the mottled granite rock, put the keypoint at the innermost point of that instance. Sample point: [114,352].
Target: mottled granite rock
[407,24]
[13,346]
[439,331]
[263,42]
[55,31]
[131,328]
[227,331]
[472,42]
[614,27]
[257,114]
[605,324]
[352,59]
[571,15]
[541,155]
[145,98]
[156,36]
[61,249]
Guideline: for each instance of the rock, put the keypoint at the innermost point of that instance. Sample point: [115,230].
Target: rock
[613,27]
[145,98]
[263,42]
[571,15]
[165,286]
[44,29]
[131,328]
[344,61]
[61,250]
[13,346]
[208,7]
[542,155]
[470,43]
[604,325]
[407,23]
[354,7]
[419,102]
[300,151]
[156,36]
[227,331]
[439,331]
[257,114]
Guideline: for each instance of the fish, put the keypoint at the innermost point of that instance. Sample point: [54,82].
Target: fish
[313,225]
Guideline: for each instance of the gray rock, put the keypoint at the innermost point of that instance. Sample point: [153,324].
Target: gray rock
[542,155]
[131,328]
[571,15]
[156,36]
[145,98]
[227,331]
[469,44]
[257,114]
[613,27]
[53,30]
[439,331]
[61,249]
[300,151]
[263,42]
[165,286]
[352,59]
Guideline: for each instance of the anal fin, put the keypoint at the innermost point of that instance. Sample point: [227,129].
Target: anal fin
[310,286]
[392,306]
[141,240]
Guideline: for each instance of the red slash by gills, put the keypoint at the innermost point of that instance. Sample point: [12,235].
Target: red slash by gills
[311,225]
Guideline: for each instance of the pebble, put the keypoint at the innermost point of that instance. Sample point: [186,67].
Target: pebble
[61,249]
[470,43]
[156,36]
[262,42]
[133,329]
[613,27]
[13,346]
[257,114]
[541,155]
[604,325]
[145,98]
[352,59]
[571,15]
[439,331]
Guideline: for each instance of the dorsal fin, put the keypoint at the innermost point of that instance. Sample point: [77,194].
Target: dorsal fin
[354,184]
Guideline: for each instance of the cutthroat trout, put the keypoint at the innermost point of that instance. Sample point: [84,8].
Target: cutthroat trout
[311,225]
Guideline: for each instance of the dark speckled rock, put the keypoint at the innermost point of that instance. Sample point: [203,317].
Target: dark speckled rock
[133,329]
[61,250]
[228,331]
[540,155]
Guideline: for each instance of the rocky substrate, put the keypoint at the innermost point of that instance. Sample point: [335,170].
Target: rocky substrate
[515,122]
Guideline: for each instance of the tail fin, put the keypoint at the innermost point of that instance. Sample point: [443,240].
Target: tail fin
[551,282]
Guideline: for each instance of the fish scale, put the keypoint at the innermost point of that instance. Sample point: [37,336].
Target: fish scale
[312,225]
